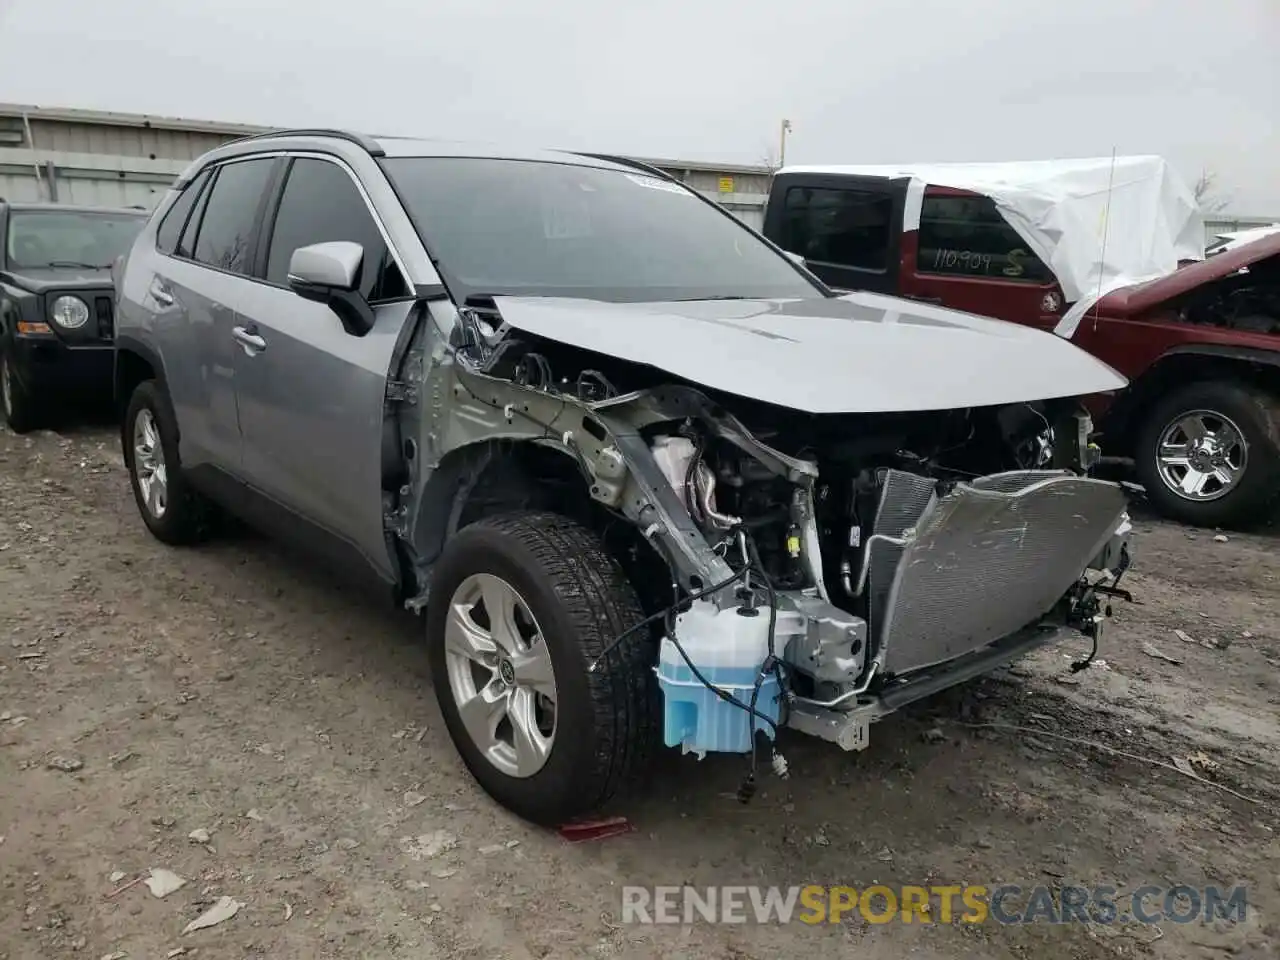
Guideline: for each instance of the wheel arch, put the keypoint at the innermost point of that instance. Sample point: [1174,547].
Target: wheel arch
[488,477]
[1179,366]
[135,362]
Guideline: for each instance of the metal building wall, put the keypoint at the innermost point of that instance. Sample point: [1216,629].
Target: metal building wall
[115,159]
[100,159]
[1226,223]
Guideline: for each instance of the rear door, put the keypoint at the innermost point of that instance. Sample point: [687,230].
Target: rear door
[311,399]
[206,247]
[966,256]
[847,228]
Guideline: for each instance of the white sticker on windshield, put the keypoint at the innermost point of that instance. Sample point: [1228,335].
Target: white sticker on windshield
[653,183]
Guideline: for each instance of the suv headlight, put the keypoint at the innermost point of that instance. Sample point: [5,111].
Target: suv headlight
[69,312]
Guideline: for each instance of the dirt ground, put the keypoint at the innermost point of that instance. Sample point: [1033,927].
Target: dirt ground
[235,690]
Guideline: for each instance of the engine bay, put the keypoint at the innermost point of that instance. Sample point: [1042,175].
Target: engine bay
[1248,301]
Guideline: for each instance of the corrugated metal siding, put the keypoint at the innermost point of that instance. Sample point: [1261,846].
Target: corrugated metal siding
[109,180]
[1213,226]
[102,190]
[152,143]
[124,160]
[20,187]
[109,193]
[752,216]
[708,181]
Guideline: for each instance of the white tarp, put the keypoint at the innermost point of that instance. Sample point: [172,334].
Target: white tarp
[1099,224]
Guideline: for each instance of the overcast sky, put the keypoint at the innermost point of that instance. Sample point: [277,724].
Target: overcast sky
[861,80]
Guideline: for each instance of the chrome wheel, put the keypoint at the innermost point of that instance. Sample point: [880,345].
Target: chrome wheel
[1202,455]
[500,674]
[148,464]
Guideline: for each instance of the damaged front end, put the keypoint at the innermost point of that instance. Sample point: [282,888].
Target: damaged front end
[821,570]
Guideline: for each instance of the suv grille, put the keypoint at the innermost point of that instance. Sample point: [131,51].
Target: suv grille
[105,312]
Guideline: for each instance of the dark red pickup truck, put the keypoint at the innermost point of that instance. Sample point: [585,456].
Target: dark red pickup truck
[1200,345]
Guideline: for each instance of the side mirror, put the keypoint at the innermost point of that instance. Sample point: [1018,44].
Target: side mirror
[329,273]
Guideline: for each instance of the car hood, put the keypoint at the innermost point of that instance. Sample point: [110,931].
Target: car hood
[43,279]
[858,353]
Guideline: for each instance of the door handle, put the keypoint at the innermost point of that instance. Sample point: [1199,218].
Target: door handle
[249,339]
[160,294]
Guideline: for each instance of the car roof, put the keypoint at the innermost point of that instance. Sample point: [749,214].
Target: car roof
[403,146]
[28,206]
[424,147]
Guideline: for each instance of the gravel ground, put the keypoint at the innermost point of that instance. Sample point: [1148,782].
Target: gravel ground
[146,693]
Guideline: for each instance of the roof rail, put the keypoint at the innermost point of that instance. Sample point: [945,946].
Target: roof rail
[367,144]
[636,164]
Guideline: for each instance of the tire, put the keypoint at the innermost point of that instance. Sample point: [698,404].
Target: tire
[1231,410]
[186,517]
[605,722]
[21,407]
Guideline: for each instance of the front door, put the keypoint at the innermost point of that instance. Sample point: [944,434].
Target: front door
[966,256]
[847,228]
[311,396]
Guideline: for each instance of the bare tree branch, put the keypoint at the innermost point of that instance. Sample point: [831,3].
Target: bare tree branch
[1207,194]
[769,156]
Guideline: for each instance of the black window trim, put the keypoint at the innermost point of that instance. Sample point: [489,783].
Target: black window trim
[196,211]
[215,169]
[255,240]
[182,228]
[840,276]
[876,195]
[269,205]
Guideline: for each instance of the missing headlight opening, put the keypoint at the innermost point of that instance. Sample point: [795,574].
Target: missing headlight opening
[814,571]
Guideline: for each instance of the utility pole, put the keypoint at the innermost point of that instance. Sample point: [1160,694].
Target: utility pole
[782,143]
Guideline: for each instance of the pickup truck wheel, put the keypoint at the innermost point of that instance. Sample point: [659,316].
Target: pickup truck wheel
[1209,454]
[173,511]
[521,606]
[21,408]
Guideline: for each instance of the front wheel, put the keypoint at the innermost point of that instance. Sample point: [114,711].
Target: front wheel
[20,406]
[521,605]
[1208,454]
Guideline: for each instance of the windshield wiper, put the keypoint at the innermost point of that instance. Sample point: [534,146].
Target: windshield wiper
[79,265]
[725,297]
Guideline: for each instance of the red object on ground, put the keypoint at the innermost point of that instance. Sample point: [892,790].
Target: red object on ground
[584,830]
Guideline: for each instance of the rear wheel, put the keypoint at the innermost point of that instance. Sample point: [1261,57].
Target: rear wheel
[172,509]
[521,606]
[20,406]
[1209,454]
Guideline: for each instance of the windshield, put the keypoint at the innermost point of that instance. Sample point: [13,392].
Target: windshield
[535,228]
[69,238]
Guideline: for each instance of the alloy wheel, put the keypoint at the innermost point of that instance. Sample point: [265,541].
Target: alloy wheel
[148,464]
[500,674]
[1202,455]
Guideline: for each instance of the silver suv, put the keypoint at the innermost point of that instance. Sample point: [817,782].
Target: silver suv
[648,479]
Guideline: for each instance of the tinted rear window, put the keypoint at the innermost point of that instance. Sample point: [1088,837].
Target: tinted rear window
[851,228]
[226,229]
[176,216]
